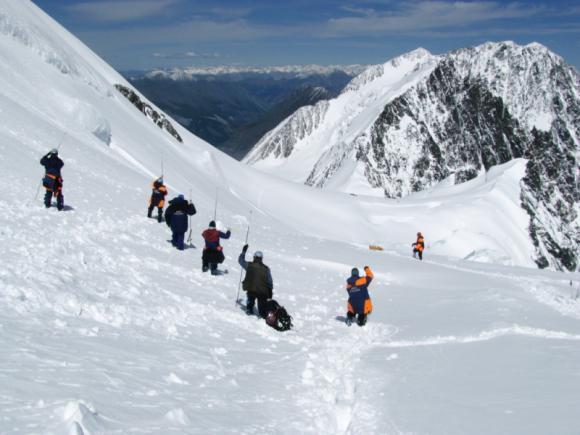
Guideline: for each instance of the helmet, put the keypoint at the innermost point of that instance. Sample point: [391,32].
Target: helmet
[212,224]
[419,233]
[160,179]
[54,151]
[180,196]
[258,254]
[354,272]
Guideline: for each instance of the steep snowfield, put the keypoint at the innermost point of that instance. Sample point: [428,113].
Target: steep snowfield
[108,330]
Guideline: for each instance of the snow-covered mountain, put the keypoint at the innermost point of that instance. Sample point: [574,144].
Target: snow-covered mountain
[287,71]
[106,329]
[405,126]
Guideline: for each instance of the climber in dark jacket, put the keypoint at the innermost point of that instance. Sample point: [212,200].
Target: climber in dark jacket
[213,253]
[258,282]
[176,219]
[52,180]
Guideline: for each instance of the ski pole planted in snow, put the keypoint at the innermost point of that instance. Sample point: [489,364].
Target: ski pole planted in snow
[190,229]
[216,204]
[241,268]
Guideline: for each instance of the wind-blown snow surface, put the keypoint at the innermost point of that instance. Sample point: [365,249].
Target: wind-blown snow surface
[108,330]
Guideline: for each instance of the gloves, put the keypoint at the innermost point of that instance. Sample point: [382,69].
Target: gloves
[245,248]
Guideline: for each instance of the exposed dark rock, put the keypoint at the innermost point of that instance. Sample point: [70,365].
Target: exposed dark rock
[158,118]
[550,194]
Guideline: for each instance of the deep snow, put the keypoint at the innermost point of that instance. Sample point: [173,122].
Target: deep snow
[107,329]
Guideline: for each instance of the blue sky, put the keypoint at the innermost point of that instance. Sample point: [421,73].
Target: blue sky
[144,34]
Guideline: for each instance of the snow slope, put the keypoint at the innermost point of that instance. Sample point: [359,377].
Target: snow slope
[108,330]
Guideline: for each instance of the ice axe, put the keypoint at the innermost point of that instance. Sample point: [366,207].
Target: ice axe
[241,268]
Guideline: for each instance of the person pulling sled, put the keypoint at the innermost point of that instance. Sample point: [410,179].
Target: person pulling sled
[213,252]
[359,301]
[176,219]
[52,180]
[157,198]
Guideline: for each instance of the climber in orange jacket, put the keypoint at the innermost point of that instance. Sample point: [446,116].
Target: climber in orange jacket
[157,198]
[419,246]
[359,301]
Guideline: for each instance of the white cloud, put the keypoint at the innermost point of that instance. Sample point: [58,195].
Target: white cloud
[193,31]
[121,10]
[186,55]
[485,19]
[428,15]
[230,12]
[358,11]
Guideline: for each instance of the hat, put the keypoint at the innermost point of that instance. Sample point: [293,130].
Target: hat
[160,179]
[212,224]
[354,272]
[180,196]
[258,254]
[54,151]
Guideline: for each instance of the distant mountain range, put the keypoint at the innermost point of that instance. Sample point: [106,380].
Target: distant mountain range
[236,72]
[232,107]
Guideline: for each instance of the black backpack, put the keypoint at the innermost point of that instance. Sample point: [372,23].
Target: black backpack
[277,317]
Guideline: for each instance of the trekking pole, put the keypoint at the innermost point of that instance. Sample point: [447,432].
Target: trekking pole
[190,228]
[241,268]
[61,141]
[216,204]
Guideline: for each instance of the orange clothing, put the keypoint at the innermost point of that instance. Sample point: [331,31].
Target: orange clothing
[158,195]
[420,243]
[359,301]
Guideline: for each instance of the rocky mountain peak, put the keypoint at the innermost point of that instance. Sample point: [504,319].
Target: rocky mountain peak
[408,124]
